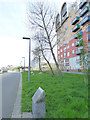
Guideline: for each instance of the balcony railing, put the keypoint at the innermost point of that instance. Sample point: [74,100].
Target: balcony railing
[76,19]
[85,10]
[82,4]
[76,27]
[88,28]
[65,11]
[78,51]
[57,26]
[80,32]
[85,20]
[64,18]
[88,37]
[88,47]
[77,43]
[75,36]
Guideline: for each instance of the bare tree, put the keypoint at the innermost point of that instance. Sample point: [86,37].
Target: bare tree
[42,48]
[43,18]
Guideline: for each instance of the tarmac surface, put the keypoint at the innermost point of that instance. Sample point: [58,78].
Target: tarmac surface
[10,82]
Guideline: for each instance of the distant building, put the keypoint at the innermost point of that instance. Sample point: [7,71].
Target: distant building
[44,66]
[72,18]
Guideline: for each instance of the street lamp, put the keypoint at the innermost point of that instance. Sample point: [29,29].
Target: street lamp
[24,64]
[29,56]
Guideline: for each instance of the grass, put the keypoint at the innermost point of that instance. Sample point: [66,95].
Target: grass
[65,97]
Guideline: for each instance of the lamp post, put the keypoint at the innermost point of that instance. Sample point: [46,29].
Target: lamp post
[24,64]
[29,56]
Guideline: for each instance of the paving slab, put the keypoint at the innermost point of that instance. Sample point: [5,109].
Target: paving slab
[17,106]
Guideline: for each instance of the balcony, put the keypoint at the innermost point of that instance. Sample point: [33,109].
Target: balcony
[64,13]
[78,51]
[82,4]
[64,18]
[84,11]
[57,26]
[88,28]
[75,36]
[76,43]
[88,37]
[85,20]
[88,47]
[76,19]
[80,32]
[76,27]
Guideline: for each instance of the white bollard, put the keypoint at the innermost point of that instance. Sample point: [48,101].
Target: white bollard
[38,104]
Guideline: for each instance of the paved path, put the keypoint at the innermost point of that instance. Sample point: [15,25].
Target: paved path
[10,82]
[17,106]
[0,96]
[73,72]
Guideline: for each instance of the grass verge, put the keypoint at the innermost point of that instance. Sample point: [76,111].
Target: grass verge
[65,97]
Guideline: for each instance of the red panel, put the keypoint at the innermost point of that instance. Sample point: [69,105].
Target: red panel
[71,47]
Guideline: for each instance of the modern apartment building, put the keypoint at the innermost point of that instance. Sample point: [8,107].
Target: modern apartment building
[74,18]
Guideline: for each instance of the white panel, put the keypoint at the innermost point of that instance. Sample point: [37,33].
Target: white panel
[73,63]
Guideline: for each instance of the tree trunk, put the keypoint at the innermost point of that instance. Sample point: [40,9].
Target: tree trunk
[48,63]
[39,64]
[59,71]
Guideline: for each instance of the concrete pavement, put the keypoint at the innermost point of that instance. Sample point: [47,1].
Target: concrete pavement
[10,82]
[17,106]
[0,96]
[73,72]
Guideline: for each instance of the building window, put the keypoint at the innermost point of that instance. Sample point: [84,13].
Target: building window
[57,37]
[66,27]
[57,33]
[67,46]
[58,52]
[66,22]
[64,32]
[61,50]
[60,39]
[60,45]
[64,55]
[63,38]
[58,42]
[72,44]
[67,34]
[72,36]
[61,56]
[72,51]
[63,42]
[67,41]
[68,54]
[58,57]
[65,49]
[71,16]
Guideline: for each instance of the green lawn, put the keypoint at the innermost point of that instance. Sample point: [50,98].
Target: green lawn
[65,97]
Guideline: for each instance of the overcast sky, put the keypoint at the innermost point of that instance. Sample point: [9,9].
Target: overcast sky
[13,20]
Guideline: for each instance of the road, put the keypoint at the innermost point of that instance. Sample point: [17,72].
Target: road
[0,96]
[10,82]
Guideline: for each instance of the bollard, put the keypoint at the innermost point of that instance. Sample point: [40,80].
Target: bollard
[38,104]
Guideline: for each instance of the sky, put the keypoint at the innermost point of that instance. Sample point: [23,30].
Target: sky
[13,19]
